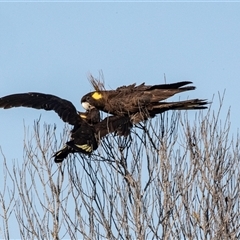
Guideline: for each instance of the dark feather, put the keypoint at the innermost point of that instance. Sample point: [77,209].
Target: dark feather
[88,129]
[65,109]
[142,101]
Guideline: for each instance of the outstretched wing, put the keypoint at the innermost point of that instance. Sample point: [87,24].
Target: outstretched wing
[64,108]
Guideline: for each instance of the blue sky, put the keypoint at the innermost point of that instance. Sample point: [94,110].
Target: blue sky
[52,48]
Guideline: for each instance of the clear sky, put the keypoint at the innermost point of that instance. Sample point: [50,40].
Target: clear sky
[52,47]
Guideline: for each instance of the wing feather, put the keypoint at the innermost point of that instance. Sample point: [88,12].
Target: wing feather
[64,108]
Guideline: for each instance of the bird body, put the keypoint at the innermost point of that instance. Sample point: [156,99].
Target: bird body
[129,105]
[87,127]
[141,101]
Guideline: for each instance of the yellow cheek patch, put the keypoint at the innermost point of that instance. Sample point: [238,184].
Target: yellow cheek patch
[97,95]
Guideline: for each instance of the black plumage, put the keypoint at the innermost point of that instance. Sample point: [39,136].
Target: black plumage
[87,127]
[142,101]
